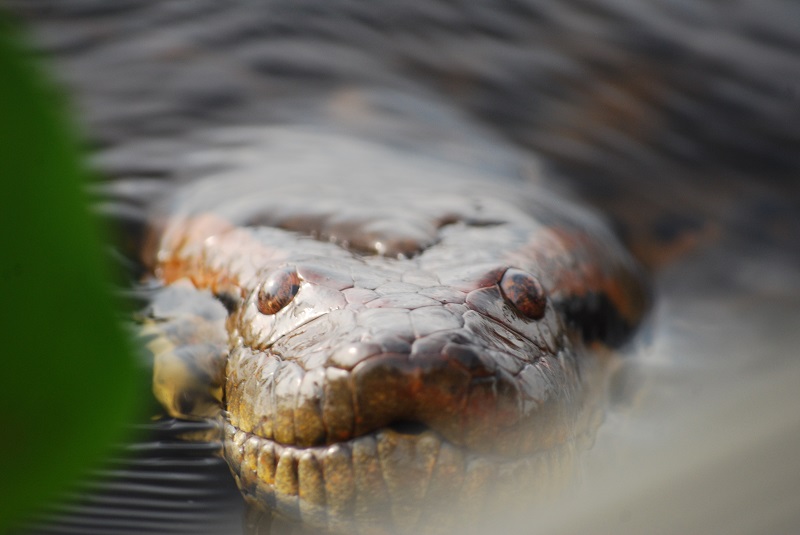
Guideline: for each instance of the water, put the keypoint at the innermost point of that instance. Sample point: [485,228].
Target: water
[678,120]
[711,445]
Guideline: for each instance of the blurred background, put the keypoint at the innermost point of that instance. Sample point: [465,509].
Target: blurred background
[677,120]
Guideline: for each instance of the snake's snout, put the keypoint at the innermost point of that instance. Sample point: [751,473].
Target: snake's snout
[474,396]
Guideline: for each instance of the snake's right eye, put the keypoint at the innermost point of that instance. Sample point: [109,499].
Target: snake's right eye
[278,290]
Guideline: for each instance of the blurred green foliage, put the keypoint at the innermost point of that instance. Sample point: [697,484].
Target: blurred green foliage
[68,376]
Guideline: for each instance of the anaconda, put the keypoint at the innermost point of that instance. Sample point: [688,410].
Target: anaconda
[365,177]
[393,338]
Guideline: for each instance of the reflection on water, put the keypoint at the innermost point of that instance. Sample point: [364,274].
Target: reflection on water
[672,117]
[711,443]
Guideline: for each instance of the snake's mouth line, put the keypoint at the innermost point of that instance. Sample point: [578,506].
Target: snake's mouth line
[404,473]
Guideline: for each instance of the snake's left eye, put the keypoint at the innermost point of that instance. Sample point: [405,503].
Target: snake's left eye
[278,290]
[525,292]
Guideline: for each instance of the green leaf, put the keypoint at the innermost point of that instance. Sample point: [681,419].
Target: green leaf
[68,378]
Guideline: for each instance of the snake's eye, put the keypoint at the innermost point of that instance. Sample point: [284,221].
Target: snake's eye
[525,292]
[278,290]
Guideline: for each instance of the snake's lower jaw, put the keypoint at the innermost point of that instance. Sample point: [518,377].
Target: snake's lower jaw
[414,482]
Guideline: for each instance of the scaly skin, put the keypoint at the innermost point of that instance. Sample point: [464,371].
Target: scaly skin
[432,330]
